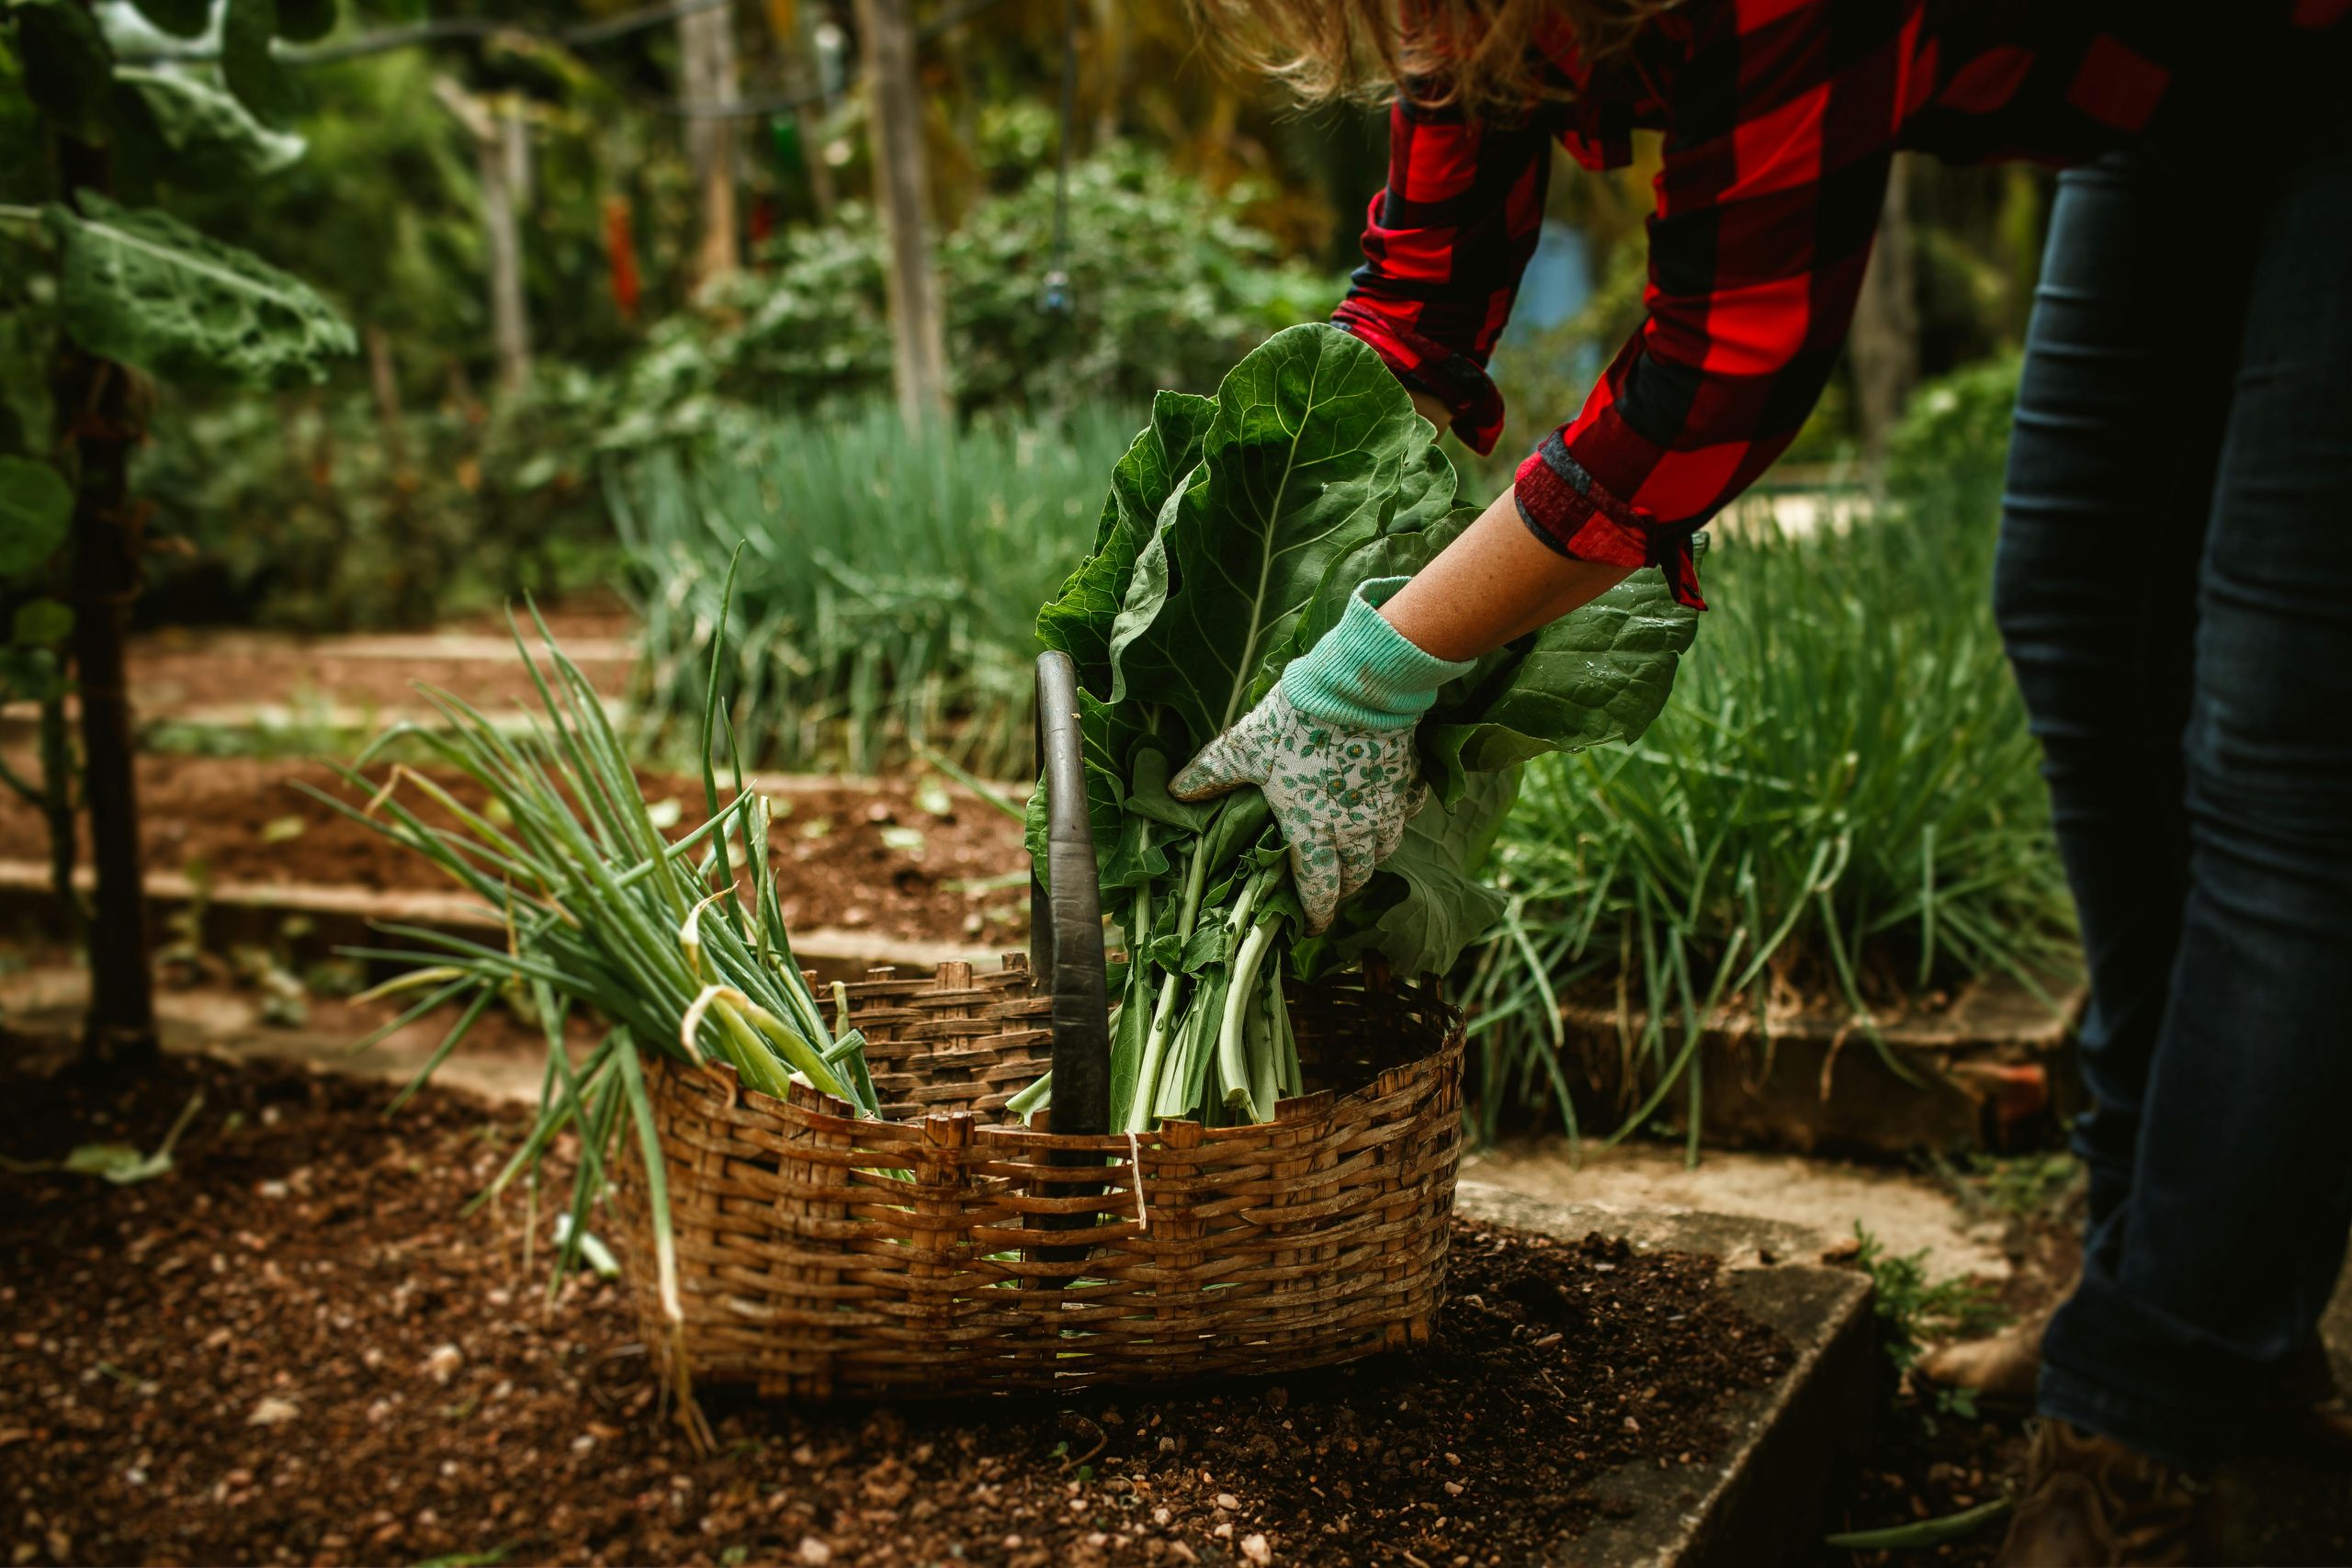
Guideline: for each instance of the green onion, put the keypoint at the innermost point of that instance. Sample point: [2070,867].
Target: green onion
[603,913]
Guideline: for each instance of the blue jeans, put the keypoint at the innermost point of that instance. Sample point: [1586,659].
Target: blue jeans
[2174,588]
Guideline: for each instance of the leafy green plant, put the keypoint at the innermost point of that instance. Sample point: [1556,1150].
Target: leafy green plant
[1237,529]
[887,583]
[1913,1311]
[295,511]
[2017,1186]
[1168,286]
[1843,801]
[102,286]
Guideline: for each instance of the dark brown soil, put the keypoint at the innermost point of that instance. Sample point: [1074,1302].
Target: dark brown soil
[176,673]
[242,821]
[293,1349]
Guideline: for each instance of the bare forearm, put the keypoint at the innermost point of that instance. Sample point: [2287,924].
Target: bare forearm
[1495,582]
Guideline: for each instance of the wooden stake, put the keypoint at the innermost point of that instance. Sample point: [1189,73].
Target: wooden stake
[707,61]
[101,411]
[503,164]
[902,195]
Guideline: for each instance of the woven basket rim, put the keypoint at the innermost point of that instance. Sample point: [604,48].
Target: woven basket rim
[826,1113]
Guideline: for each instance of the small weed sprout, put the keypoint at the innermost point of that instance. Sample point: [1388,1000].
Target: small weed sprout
[1912,1311]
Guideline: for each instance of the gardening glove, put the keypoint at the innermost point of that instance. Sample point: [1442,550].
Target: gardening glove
[1332,748]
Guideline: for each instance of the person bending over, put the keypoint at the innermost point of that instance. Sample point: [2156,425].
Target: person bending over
[2173,577]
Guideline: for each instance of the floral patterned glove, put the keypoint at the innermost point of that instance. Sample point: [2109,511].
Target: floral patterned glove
[1332,748]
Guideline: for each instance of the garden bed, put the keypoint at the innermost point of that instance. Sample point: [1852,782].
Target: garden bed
[893,859]
[294,1348]
[1990,1064]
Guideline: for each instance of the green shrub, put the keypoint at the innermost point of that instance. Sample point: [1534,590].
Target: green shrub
[295,511]
[1167,288]
[1841,799]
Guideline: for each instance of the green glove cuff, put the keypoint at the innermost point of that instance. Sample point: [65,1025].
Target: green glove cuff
[1365,674]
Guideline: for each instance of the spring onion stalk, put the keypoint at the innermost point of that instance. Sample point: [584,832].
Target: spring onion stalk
[677,946]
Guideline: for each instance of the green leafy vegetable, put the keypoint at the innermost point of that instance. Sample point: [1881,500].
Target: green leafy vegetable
[211,141]
[144,288]
[1236,530]
[35,507]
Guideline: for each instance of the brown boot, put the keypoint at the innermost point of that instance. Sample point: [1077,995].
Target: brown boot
[2089,1502]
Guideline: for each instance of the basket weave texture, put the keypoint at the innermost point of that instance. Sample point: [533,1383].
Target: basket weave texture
[821,1255]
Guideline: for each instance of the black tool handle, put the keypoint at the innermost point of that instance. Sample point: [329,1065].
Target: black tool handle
[1066,943]
[1066,912]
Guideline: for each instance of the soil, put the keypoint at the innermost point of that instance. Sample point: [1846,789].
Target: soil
[177,673]
[874,859]
[292,1348]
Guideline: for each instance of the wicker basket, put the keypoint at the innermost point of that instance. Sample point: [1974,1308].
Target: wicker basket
[821,1256]
[948,1249]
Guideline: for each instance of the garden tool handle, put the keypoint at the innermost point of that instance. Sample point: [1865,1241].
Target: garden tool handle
[1065,944]
[1065,911]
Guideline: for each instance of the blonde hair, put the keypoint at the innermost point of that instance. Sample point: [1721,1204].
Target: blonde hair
[1481,56]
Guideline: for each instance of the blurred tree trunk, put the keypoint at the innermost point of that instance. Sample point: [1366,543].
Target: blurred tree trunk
[795,39]
[1884,342]
[384,383]
[1111,66]
[101,409]
[502,167]
[919,350]
[707,60]
[506,193]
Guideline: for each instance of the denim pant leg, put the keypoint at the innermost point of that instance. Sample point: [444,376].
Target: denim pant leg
[2120,410]
[2199,1296]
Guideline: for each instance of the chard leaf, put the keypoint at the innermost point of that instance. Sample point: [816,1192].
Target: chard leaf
[1425,905]
[1078,619]
[1136,859]
[1390,554]
[1211,943]
[1314,448]
[1127,1041]
[1148,794]
[1600,674]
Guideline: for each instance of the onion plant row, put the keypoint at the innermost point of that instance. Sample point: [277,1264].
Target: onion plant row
[1841,801]
[887,584]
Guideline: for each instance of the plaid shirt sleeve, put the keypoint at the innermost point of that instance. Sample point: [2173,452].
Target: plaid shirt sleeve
[1775,167]
[1445,245]
[1781,129]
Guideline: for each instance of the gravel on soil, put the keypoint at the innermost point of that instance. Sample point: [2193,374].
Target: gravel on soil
[293,1348]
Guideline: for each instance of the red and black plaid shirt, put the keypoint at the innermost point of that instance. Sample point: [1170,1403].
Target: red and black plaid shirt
[1781,117]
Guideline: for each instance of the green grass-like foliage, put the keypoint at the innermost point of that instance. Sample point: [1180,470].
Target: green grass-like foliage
[677,947]
[887,586]
[1843,796]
